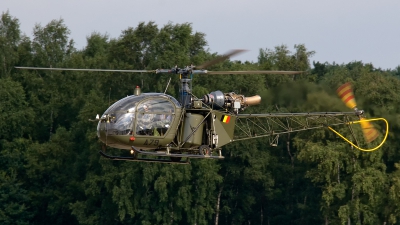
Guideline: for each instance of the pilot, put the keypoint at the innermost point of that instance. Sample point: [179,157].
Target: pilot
[145,122]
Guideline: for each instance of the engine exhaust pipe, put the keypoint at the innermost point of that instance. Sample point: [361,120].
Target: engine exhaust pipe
[253,100]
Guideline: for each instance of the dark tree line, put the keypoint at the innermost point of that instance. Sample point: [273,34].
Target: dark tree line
[51,173]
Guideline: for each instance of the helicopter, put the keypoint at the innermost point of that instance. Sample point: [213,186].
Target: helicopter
[156,127]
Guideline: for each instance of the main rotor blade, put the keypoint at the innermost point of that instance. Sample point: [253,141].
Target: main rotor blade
[255,72]
[94,70]
[220,59]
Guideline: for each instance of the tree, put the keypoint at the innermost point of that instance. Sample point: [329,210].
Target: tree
[15,115]
[9,41]
[51,44]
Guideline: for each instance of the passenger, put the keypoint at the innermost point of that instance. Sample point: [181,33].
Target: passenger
[163,123]
[166,119]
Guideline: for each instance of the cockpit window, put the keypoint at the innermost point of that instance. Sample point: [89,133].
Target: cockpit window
[124,122]
[146,114]
[154,117]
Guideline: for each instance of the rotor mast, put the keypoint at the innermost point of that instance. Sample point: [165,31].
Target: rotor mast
[185,77]
[185,91]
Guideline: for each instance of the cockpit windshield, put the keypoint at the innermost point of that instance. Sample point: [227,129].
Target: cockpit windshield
[146,114]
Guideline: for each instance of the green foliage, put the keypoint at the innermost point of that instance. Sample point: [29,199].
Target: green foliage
[9,40]
[50,43]
[16,117]
[14,200]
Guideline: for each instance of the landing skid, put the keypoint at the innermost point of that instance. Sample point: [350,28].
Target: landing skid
[166,154]
[174,158]
[137,159]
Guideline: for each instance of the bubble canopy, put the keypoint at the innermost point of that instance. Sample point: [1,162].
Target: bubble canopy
[145,114]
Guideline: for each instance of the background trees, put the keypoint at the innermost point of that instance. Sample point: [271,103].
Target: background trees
[50,171]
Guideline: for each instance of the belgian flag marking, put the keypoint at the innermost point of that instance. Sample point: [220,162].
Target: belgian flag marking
[225,119]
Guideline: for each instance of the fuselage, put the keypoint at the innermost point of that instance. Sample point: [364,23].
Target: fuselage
[158,121]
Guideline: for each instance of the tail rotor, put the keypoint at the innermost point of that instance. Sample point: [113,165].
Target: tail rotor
[346,94]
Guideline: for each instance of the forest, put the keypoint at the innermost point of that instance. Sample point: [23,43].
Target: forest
[51,172]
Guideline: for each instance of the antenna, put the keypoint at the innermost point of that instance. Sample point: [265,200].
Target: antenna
[109,93]
[167,85]
[107,131]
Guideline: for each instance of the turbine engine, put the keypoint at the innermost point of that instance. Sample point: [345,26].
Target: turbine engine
[230,101]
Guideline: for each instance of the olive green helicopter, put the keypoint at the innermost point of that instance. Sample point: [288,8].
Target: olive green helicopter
[156,127]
